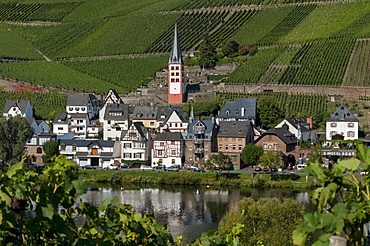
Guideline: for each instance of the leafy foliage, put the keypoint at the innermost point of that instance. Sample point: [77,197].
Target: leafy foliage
[342,199]
[270,158]
[268,221]
[251,154]
[14,133]
[269,113]
[51,149]
[53,204]
[219,161]
[208,55]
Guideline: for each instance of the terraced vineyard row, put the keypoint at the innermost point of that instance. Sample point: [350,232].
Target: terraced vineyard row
[299,104]
[230,26]
[193,27]
[40,101]
[35,12]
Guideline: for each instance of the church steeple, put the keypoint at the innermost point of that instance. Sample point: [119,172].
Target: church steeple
[176,56]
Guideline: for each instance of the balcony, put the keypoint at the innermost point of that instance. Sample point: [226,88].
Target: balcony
[198,140]
[198,150]
[198,130]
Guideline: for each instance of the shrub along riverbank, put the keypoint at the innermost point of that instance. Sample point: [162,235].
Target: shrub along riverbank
[192,178]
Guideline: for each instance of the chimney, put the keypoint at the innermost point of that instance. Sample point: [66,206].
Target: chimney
[309,121]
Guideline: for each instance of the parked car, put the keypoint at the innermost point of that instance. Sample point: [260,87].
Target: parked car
[88,167]
[125,165]
[364,173]
[199,170]
[159,167]
[111,167]
[301,166]
[265,169]
[34,165]
[172,168]
[274,169]
[258,169]
[146,168]
[290,166]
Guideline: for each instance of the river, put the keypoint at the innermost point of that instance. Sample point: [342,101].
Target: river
[187,210]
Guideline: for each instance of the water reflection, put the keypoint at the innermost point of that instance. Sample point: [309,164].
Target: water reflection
[187,211]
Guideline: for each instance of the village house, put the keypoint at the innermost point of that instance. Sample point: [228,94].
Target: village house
[301,128]
[232,137]
[240,110]
[35,146]
[18,107]
[115,121]
[168,149]
[343,123]
[172,119]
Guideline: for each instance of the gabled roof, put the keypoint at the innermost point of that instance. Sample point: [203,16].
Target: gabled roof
[116,112]
[21,104]
[299,123]
[169,136]
[112,97]
[145,113]
[209,125]
[140,128]
[234,129]
[176,56]
[82,99]
[61,118]
[286,136]
[342,114]
[242,108]
[164,112]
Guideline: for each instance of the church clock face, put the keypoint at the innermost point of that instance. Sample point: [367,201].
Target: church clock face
[175,88]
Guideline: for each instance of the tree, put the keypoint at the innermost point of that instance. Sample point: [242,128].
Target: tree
[342,200]
[219,161]
[205,108]
[267,221]
[251,154]
[208,55]
[230,48]
[269,113]
[14,133]
[270,158]
[51,149]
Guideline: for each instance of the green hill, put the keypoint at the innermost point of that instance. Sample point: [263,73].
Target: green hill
[102,44]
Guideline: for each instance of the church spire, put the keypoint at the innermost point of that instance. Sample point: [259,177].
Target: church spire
[176,56]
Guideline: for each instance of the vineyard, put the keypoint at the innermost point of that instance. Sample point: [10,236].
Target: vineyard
[40,101]
[298,105]
[97,45]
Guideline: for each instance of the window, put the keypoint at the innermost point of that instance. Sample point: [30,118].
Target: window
[350,134]
[60,128]
[34,159]
[240,148]
[234,158]
[226,147]
[275,146]
[63,147]
[234,147]
[173,161]
[160,152]
[127,145]
[220,147]
[333,124]
[127,155]
[173,152]
[351,124]
[152,123]
[137,155]
[77,108]
[332,133]
[74,148]
[264,146]
[39,150]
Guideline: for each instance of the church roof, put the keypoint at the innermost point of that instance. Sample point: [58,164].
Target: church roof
[176,56]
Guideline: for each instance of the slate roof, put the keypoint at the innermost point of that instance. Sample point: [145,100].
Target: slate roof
[242,108]
[144,113]
[234,129]
[342,114]
[82,99]
[86,142]
[142,130]
[21,104]
[282,133]
[209,125]
[61,118]
[116,112]
[176,56]
[167,111]
[302,122]
[78,115]
[169,136]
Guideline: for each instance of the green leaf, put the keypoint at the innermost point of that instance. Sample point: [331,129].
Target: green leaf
[350,164]
[48,211]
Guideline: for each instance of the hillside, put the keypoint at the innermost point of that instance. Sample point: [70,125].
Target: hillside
[94,46]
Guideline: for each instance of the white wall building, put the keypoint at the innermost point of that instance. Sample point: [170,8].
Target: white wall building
[342,122]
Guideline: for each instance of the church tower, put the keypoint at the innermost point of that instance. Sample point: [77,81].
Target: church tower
[176,87]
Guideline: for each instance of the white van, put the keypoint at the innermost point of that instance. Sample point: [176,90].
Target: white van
[301,166]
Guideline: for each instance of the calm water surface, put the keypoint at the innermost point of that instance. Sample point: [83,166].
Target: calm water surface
[187,211]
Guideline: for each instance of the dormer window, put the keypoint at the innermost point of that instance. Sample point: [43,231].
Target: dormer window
[70,108]
[14,109]
[237,112]
[227,112]
[163,116]
[83,109]
[77,108]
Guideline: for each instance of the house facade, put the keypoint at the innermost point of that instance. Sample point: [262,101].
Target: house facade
[115,121]
[84,152]
[232,137]
[342,123]
[168,149]
[13,108]
[136,143]
[35,147]
[200,141]
[300,127]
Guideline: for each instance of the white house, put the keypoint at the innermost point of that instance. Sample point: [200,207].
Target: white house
[174,122]
[112,97]
[168,149]
[300,127]
[115,121]
[342,122]
[97,153]
[61,123]
[136,143]
[18,107]
[83,104]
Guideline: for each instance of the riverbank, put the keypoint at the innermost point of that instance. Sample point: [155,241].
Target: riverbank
[193,178]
